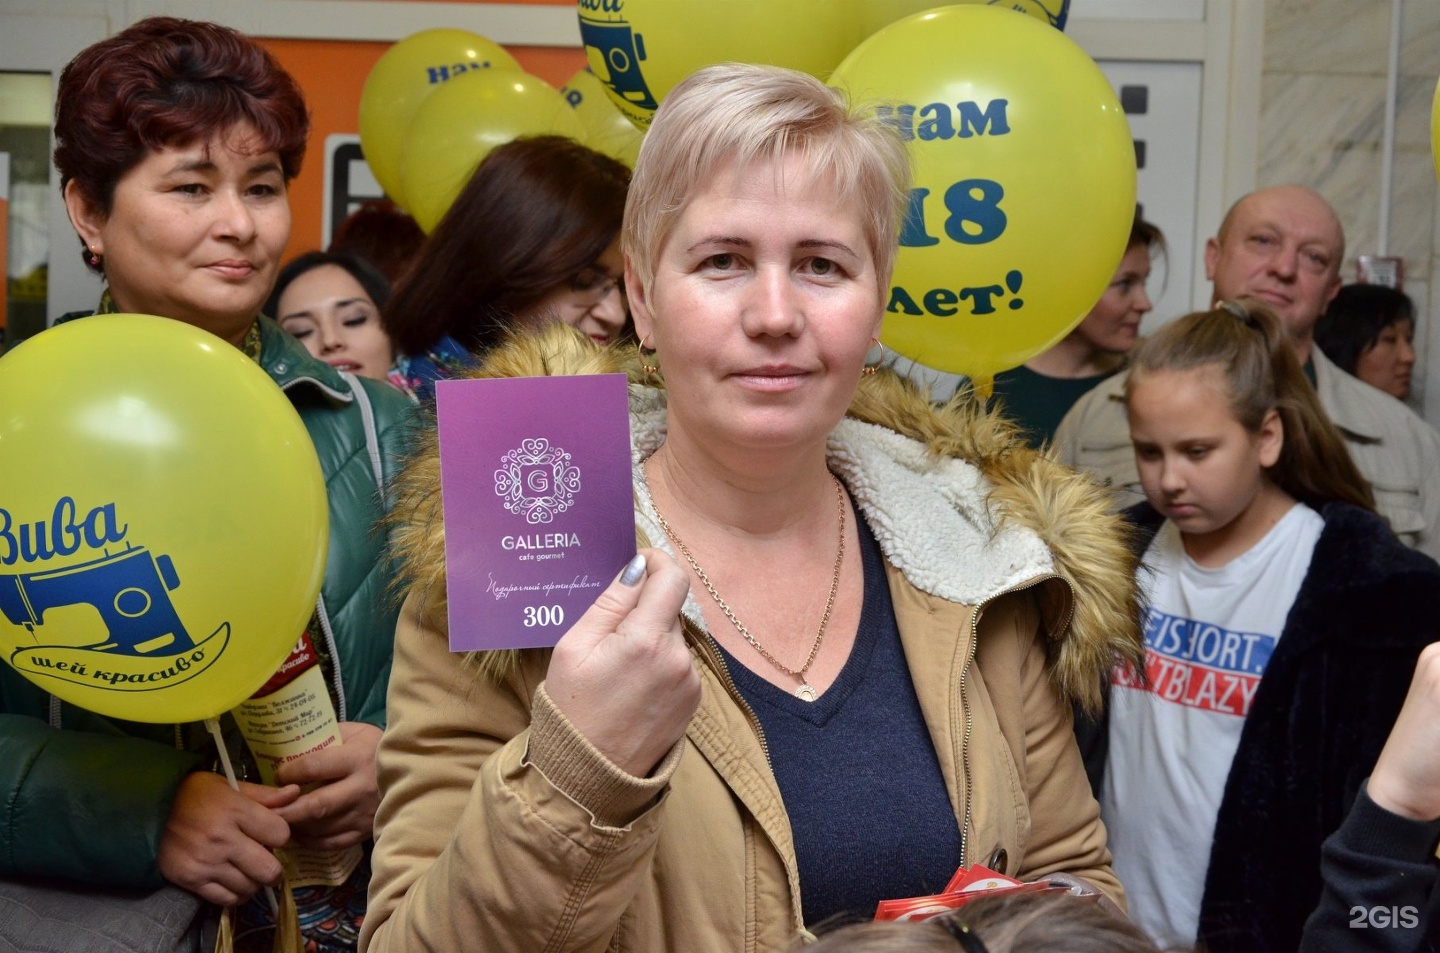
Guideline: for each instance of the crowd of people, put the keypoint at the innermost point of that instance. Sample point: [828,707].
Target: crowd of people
[1154,630]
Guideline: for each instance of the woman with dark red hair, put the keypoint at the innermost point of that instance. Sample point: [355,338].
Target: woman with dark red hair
[533,238]
[176,141]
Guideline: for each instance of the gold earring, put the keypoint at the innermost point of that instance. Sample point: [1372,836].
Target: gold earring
[641,348]
[869,369]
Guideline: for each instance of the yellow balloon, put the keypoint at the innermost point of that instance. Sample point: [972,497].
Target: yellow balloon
[1435,129]
[641,48]
[403,78]
[875,14]
[606,128]
[163,522]
[1024,183]
[463,121]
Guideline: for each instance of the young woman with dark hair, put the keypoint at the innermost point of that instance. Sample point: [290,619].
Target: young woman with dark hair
[331,302]
[1369,332]
[532,238]
[1039,393]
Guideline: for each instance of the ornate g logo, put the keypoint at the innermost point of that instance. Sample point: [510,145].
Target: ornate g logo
[537,480]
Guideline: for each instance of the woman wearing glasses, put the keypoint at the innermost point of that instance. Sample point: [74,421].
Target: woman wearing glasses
[532,238]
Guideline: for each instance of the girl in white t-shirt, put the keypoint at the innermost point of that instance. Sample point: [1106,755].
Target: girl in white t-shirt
[1244,476]
[1228,432]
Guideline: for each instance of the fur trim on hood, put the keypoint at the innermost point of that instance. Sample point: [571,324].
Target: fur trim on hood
[1010,515]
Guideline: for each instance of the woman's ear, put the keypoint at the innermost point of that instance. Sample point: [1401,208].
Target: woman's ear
[640,312]
[86,217]
[1272,438]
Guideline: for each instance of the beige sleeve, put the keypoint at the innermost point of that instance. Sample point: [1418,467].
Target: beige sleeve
[1094,437]
[476,846]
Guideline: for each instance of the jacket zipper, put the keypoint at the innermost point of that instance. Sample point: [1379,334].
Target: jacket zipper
[336,683]
[711,649]
[707,642]
[969,730]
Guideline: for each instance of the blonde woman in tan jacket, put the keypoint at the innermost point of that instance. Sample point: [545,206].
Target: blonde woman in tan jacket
[843,663]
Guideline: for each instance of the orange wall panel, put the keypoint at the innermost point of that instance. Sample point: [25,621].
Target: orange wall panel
[554,64]
[331,73]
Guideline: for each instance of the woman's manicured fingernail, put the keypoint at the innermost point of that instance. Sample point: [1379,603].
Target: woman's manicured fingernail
[634,570]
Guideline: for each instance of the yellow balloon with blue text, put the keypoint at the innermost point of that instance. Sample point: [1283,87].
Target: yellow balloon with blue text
[163,520]
[640,49]
[1023,187]
[459,125]
[403,78]
[607,130]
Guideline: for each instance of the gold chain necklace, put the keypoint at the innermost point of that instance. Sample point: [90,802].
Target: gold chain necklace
[806,692]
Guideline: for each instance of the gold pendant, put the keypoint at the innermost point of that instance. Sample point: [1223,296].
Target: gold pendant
[805,693]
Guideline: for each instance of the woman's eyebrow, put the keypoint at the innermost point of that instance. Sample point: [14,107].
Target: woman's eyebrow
[721,240]
[826,243]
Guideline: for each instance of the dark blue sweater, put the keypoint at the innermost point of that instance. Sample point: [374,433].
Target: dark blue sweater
[857,769]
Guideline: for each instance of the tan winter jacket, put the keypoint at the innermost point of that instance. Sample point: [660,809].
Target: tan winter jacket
[501,829]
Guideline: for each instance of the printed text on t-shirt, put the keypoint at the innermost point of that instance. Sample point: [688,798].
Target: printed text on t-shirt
[1200,665]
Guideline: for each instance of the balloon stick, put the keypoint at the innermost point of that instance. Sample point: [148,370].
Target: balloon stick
[213,726]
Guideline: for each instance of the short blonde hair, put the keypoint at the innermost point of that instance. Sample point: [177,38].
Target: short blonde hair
[740,113]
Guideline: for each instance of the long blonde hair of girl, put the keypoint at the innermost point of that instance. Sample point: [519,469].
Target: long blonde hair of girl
[1250,345]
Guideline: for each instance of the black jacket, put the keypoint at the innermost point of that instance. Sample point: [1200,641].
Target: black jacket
[1327,700]
[1379,871]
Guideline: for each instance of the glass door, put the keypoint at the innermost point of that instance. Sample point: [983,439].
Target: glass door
[25,110]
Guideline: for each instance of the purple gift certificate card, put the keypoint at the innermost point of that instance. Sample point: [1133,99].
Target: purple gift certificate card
[539,509]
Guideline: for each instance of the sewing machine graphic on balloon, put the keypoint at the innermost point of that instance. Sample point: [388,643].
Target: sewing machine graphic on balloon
[614,53]
[130,590]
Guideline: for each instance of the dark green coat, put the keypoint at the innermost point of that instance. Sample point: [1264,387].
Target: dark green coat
[89,801]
